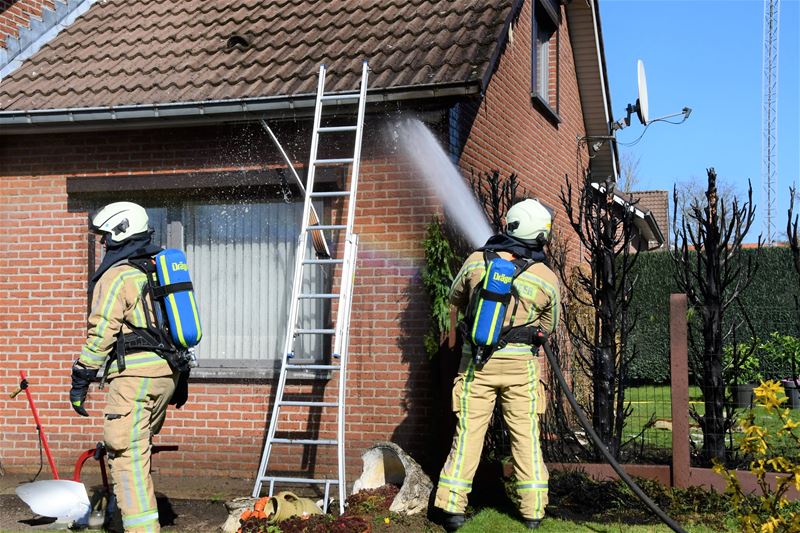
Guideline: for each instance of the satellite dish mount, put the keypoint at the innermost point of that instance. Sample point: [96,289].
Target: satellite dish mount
[641,108]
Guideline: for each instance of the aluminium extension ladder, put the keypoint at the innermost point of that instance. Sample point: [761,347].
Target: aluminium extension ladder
[340,331]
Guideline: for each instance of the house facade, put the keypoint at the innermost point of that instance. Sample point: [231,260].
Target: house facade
[159,103]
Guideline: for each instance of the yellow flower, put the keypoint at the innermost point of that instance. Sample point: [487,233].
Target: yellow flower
[780,464]
[770,525]
[790,424]
[386,520]
[759,469]
[767,395]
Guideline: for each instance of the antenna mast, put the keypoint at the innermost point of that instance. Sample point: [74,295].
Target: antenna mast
[769,117]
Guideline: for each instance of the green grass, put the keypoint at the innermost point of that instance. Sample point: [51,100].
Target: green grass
[647,401]
[492,520]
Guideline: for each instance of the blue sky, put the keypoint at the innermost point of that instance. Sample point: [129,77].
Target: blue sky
[706,55]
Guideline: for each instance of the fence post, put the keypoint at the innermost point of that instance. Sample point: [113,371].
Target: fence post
[679,372]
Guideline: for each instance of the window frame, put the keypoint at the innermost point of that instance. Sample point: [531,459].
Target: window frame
[546,17]
[174,201]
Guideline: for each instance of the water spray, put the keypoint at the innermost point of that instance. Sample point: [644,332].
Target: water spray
[443,178]
[431,161]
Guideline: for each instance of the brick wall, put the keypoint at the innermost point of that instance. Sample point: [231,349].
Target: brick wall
[17,13]
[511,135]
[43,272]
[392,393]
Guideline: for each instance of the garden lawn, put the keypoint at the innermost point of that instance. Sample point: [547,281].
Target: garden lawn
[492,520]
[655,400]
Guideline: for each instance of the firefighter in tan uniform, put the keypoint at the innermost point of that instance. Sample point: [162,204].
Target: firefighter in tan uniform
[138,395]
[512,372]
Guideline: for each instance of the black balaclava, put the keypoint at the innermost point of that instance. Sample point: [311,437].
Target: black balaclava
[501,241]
[135,246]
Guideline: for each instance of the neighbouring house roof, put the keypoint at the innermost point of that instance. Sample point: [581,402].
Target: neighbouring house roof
[657,203]
[125,53]
[649,234]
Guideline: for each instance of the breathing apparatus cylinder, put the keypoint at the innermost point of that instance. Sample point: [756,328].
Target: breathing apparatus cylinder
[179,303]
[490,307]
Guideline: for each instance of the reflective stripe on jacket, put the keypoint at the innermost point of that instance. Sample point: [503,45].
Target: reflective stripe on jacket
[117,297]
[537,287]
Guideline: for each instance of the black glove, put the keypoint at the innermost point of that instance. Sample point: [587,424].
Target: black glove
[181,393]
[539,337]
[81,377]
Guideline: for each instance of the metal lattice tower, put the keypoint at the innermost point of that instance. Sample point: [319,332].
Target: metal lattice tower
[769,117]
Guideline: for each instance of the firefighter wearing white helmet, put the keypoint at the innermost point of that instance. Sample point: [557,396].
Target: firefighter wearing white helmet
[140,389]
[120,221]
[529,221]
[509,369]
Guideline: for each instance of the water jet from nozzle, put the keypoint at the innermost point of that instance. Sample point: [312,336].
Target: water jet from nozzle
[443,178]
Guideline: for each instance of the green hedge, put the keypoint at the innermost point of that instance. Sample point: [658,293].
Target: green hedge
[769,300]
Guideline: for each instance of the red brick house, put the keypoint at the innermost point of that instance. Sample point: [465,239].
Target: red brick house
[158,102]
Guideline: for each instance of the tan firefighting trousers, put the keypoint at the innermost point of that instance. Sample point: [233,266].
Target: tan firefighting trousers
[135,412]
[515,380]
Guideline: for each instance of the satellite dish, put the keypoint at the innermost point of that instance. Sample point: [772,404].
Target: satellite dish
[642,110]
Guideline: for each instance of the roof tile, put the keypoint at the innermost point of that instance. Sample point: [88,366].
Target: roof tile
[124,52]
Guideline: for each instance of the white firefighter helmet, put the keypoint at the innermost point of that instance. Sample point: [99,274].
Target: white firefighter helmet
[120,221]
[529,221]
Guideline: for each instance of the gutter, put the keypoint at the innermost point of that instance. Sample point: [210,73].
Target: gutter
[208,111]
[601,55]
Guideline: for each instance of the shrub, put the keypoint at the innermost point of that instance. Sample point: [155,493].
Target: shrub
[770,359]
[769,511]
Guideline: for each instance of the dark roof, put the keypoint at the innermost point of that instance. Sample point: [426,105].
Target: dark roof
[657,203]
[126,52]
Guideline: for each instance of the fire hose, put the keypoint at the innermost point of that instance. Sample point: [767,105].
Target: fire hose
[584,421]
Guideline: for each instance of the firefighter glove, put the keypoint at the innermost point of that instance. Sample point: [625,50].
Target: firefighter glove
[539,337]
[181,393]
[81,377]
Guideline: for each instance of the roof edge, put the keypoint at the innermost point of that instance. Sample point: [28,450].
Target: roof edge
[22,121]
[502,42]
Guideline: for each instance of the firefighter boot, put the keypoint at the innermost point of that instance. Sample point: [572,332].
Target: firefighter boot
[451,521]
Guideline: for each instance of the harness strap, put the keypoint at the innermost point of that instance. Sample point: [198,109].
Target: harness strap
[162,291]
[494,297]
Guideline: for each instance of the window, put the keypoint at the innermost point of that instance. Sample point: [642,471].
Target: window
[241,256]
[544,56]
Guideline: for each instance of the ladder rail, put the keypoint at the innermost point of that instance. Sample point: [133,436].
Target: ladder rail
[342,409]
[341,330]
[297,283]
[362,104]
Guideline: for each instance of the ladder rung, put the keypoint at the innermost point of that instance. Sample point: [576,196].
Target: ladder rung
[323,261]
[334,129]
[321,442]
[300,403]
[320,296]
[298,480]
[328,194]
[343,96]
[312,367]
[315,331]
[326,226]
[334,161]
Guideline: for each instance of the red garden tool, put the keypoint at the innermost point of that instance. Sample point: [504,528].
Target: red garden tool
[63,499]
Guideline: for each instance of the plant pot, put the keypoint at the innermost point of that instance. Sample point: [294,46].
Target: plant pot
[743,395]
[790,387]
